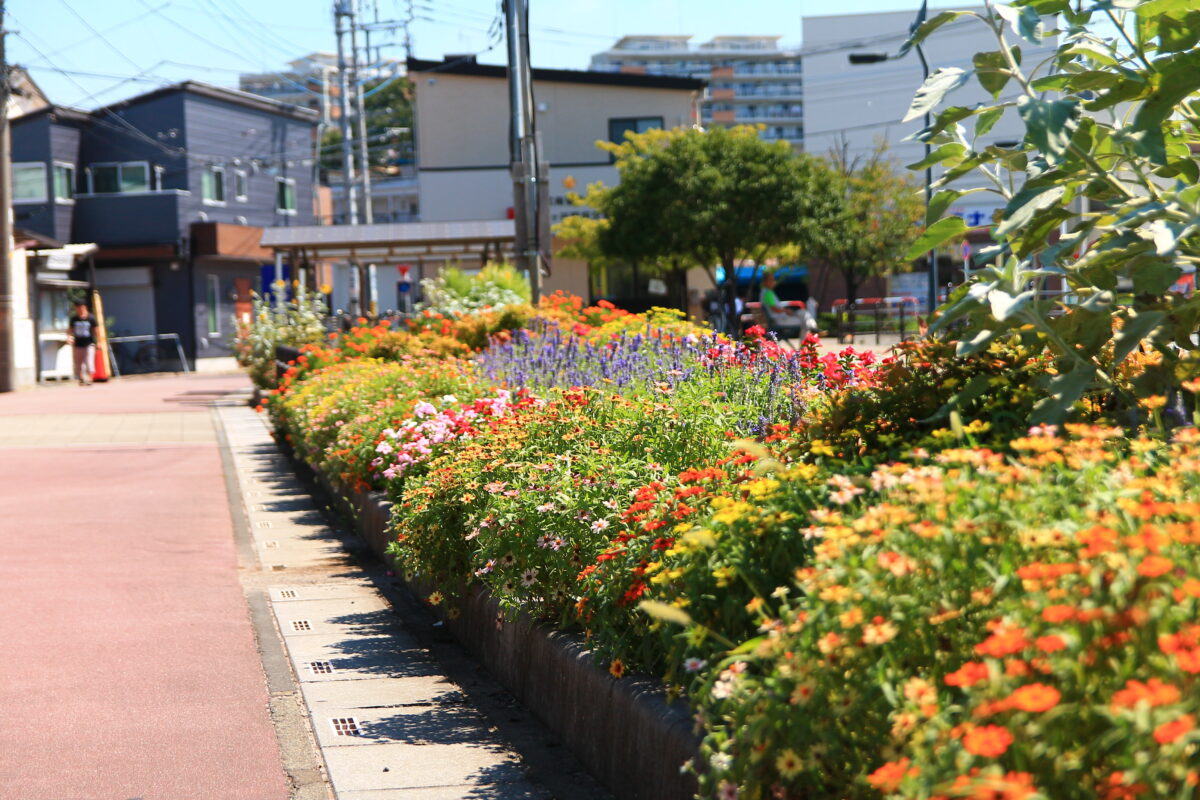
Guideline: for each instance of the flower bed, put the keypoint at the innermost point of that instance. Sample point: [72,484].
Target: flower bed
[855,603]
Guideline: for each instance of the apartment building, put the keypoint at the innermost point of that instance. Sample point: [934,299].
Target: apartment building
[751,79]
[174,187]
[311,81]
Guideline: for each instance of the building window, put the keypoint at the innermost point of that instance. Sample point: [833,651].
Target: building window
[617,127]
[285,195]
[130,176]
[240,189]
[212,185]
[64,182]
[214,305]
[29,182]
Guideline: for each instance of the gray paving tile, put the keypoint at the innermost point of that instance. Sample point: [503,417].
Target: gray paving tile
[451,722]
[381,693]
[407,766]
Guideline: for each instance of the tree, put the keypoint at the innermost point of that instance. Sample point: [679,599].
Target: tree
[1112,121]
[877,221]
[389,128]
[709,198]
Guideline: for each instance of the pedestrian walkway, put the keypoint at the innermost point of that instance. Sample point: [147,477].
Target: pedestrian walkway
[181,623]
[130,666]
[391,724]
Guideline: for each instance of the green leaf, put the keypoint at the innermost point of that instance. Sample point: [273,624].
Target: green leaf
[927,27]
[936,235]
[947,117]
[1133,331]
[969,347]
[1178,77]
[1049,124]
[939,203]
[943,153]
[991,70]
[969,393]
[1005,305]
[1178,33]
[1025,22]
[1095,51]
[1064,390]
[987,119]
[1021,208]
[665,612]
[939,83]
[1153,276]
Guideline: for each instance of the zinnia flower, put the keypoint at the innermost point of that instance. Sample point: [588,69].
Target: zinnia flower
[989,741]
[1170,731]
[789,764]
[1035,697]
[616,668]
[888,777]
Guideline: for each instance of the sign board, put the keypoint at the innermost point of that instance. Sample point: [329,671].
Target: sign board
[657,286]
[59,259]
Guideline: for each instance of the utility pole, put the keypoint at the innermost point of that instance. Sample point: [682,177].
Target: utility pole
[356,79]
[8,380]
[341,10]
[530,175]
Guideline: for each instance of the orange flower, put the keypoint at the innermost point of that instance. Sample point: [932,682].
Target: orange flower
[1050,644]
[1153,566]
[1057,614]
[989,741]
[1036,697]
[1004,642]
[888,777]
[1170,731]
[1153,691]
[1115,788]
[616,668]
[1188,660]
[968,674]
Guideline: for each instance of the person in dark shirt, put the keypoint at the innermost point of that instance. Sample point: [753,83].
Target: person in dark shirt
[81,333]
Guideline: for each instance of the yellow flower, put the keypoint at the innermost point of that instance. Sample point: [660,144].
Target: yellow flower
[1154,402]
[820,448]
[723,574]
[435,599]
[789,764]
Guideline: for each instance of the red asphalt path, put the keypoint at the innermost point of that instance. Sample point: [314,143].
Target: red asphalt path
[128,667]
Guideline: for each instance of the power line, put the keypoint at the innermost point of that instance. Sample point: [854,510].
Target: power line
[101,36]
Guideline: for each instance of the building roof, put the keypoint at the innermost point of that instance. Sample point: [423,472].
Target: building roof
[235,96]
[390,241]
[468,66]
[59,112]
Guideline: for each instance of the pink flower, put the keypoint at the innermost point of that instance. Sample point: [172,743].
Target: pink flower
[599,525]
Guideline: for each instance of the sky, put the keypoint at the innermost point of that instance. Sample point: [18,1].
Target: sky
[88,53]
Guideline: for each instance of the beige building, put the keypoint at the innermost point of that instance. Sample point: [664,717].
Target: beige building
[462,121]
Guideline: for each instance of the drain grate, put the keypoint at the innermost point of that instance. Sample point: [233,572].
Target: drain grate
[271,544]
[321,667]
[287,594]
[263,524]
[345,726]
[301,625]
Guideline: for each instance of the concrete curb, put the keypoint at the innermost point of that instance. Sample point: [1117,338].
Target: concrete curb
[624,732]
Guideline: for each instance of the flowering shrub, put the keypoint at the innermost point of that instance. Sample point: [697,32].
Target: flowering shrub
[455,292]
[859,596]
[297,322]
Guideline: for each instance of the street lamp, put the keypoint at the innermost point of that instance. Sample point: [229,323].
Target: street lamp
[876,58]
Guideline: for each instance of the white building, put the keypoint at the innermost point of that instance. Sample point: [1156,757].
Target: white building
[852,106]
[752,80]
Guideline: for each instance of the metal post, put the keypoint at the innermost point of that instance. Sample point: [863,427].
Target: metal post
[348,183]
[8,372]
[524,149]
[356,81]
[933,264]
[277,284]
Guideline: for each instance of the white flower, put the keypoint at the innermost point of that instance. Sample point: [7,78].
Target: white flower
[694,664]
[529,577]
[721,761]
[449,399]
[599,525]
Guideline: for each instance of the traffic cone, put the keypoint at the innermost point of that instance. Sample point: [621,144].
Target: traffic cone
[101,370]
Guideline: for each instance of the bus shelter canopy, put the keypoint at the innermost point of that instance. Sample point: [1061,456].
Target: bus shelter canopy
[486,239]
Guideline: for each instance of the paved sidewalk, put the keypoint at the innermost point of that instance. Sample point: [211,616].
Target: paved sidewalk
[391,723]
[130,666]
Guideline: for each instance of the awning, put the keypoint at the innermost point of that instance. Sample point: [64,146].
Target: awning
[395,241]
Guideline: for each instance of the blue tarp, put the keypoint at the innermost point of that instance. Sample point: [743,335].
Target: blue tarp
[745,275]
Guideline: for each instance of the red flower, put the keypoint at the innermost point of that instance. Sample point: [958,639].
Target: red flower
[1170,731]
[1036,697]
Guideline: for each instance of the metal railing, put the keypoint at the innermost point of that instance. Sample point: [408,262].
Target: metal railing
[150,356]
[894,316]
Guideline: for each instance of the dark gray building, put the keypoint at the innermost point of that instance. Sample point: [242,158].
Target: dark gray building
[174,186]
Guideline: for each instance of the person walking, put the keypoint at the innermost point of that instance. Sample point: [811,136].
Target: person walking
[81,333]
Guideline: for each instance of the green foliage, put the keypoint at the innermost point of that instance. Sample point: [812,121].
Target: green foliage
[876,221]
[1109,156]
[389,127]
[297,322]
[456,292]
[701,198]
